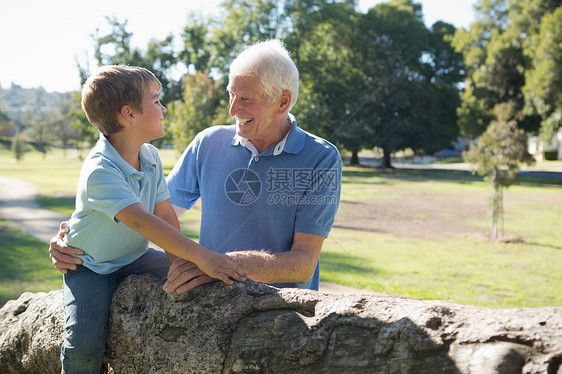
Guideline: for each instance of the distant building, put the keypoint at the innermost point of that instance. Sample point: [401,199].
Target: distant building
[537,146]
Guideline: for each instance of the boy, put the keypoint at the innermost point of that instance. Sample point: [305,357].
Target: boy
[121,203]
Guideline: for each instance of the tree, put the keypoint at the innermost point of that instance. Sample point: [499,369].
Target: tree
[329,77]
[115,48]
[200,107]
[543,82]
[392,40]
[79,122]
[197,51]
[39,127]
[6,125]
[18,146]
[474,115]
[499,48]
[500,151]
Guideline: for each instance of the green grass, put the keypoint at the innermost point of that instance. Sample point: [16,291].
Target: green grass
[455,266]
[24,264]
[464,271]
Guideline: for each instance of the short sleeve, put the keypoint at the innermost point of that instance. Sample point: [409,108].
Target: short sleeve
[183,180]
[319,203]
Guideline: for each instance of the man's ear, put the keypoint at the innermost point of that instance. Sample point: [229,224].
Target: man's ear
[285,101]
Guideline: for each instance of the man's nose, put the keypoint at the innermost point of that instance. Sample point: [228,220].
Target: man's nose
[233,106]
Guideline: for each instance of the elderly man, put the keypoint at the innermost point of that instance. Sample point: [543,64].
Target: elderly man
[269,190]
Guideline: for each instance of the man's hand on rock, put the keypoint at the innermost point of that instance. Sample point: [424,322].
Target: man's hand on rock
[185,275]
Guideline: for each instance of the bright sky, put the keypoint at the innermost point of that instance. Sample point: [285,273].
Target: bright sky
[40,40]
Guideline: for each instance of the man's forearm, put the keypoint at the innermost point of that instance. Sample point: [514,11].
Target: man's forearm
[285,267]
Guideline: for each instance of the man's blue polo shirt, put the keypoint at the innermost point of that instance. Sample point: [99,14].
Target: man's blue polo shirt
[258,201]
[107,185]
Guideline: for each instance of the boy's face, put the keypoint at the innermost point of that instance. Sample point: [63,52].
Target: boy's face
[150,119]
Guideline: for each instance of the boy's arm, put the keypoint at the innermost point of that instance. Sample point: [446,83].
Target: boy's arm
[155,229]
[165,211]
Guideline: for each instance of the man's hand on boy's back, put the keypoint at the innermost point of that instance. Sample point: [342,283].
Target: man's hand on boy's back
[62,255]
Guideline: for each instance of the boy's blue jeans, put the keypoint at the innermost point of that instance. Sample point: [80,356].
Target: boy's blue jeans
[87,297]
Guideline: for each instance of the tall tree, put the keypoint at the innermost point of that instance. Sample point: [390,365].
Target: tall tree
[498,49]
[115,48]
[199,108]
[392,40]
[543,86]
[243,23]
[325,58]
[197,51]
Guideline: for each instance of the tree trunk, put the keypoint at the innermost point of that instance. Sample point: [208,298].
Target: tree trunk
[354,158]
[253,328]
[385,160]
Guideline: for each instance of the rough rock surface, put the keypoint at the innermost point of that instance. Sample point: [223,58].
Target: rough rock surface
[253,328]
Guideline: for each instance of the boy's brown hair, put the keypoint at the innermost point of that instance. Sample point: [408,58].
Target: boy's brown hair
[109,88]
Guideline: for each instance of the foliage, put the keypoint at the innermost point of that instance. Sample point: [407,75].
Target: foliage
[18,146]
[543,82]
[409,92]
[346,60]
[6,124]
[115,48]
[473,114]
[203,105]
[79,122]
[501,150]
[510,54]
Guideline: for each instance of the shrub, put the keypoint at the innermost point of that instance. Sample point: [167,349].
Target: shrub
[550,155]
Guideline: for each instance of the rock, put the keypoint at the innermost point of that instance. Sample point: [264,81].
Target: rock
[253,328]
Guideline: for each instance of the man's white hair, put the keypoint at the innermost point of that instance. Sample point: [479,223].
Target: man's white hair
[271,63]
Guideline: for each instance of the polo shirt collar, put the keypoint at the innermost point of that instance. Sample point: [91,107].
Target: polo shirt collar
[293,142]
[147,159]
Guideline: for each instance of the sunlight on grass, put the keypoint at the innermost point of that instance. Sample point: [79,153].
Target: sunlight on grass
[463,271]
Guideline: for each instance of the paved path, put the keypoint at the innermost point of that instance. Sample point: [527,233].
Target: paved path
[19,206]
[367,159]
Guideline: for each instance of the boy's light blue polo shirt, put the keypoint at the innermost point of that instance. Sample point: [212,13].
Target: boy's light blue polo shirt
[107,185]
[257,201]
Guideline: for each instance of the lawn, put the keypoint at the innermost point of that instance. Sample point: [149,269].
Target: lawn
[24,264]
[406,233]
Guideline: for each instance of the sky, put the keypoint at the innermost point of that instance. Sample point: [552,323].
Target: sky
[41,40]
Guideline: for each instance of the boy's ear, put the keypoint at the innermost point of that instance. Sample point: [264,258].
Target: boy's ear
[126,112]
